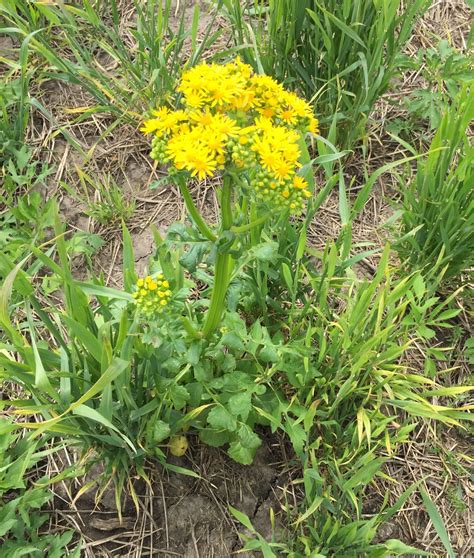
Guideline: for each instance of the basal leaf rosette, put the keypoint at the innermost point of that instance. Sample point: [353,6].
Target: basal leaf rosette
[232,120]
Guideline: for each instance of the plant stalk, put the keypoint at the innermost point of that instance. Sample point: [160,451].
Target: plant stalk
[252,225]
[194,212]
[222,267]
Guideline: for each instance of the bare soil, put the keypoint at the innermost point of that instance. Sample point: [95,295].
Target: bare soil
[180,515]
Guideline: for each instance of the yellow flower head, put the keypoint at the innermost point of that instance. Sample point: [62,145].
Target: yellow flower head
[152,295]
[313,125]
[230,117]
[201,163]
[299,182]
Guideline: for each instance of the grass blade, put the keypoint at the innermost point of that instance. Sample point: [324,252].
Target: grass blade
[437,521]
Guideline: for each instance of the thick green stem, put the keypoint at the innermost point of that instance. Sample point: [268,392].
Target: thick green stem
[223,266]
[254,236]
[226,208]
[221,280]
[194,212]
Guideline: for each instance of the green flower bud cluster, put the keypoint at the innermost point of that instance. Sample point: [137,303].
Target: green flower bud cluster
[152,295]
[242,154]
[291,193]
[158,149]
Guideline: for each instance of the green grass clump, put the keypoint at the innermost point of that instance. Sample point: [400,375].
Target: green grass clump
[344,360]
[78,42]
[437,201]
[103,198]
[24,215]
[341,54]
[22,502]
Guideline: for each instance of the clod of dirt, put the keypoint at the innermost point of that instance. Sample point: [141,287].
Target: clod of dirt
[389,530]
[143,246]
[72,212]
[194,521]
[136,178]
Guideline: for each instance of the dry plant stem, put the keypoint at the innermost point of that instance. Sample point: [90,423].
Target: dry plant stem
[222,267]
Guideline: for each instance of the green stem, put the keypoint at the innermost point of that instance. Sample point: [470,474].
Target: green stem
[194,212]
[254,237]
[221,280]
[188,326]
[244,207]
[250,226]
[222,268]
[226,208]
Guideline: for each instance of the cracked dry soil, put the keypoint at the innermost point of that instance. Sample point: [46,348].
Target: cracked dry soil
[187,517]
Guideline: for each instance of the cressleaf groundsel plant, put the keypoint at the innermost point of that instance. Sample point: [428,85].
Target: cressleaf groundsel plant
[245,127]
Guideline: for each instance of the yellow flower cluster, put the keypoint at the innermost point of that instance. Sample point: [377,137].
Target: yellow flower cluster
[233,119]
[152,295]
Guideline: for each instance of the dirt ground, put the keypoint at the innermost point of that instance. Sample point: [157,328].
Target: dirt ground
[181,516]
